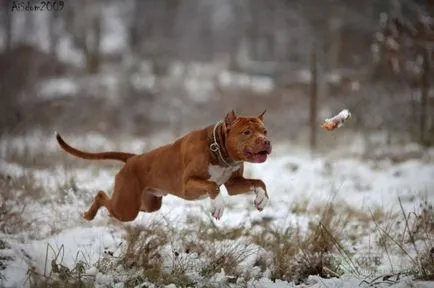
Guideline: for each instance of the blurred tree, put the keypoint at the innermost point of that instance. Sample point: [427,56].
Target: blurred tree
[335,26]
[7,20]
[84,24]
[151,31]
[406,42]
[54,31]
[313,103]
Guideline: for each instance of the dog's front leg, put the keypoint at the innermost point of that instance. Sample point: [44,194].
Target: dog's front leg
[197,187]
[238,185]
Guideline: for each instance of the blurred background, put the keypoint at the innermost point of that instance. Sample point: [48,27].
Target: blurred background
[140,67]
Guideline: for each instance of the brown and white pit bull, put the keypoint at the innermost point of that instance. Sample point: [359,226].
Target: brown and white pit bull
[193,167]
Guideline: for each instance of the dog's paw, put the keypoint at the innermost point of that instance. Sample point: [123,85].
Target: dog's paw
[86,216]
[261,199]
[217,207]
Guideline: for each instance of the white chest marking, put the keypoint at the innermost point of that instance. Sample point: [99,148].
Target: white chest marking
[220,175]
[157,192]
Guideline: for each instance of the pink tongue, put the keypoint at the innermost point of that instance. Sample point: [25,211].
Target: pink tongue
[259,158]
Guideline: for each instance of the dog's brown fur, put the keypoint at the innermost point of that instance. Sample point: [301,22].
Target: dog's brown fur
[181,168]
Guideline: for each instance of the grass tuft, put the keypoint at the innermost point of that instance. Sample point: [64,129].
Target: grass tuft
[59,275]
[13,192]
[297,255]
[415,240]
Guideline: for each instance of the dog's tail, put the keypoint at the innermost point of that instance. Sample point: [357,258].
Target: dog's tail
[93,156]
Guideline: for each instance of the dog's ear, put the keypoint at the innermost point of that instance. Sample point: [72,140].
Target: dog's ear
[230,118]
[261,116]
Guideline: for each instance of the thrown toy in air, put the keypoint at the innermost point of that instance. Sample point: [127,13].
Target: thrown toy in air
[336,121]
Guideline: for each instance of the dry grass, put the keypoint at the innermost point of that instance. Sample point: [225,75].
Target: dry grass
[426,260]
[297,255]
[423,226]
[162,254]
[423,231]
[142,252]
[22,189]
[226,258]
[207,230]
[146,239]
[13,189]
[3,259]
[412,236]
[57,275]
[300,206]
[289,255]
[354,221]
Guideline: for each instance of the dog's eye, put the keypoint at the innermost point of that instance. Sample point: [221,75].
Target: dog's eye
[247,132]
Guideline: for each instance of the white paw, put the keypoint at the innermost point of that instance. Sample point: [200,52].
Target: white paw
[261,199]
[217,206]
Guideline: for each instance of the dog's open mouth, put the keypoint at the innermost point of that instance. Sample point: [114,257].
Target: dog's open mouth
[258,156]
[263,152]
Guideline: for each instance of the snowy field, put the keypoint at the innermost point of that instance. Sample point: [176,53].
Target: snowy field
[43,234]
[300,187]
[334,220]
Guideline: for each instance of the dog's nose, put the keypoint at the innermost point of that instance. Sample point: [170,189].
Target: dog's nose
[264,141]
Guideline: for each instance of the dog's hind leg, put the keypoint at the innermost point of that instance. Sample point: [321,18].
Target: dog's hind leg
[101,199]
[124,203]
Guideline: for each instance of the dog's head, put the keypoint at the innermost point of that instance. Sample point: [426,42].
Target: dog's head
[246,138]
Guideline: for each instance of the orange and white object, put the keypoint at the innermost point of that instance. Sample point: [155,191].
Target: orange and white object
[336,121]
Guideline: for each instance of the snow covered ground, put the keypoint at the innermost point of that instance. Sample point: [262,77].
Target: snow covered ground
[54,229]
